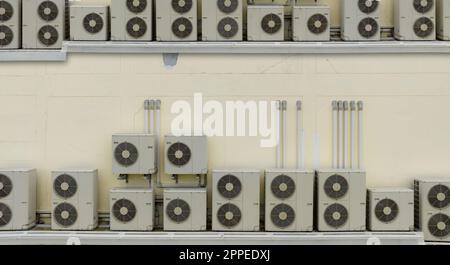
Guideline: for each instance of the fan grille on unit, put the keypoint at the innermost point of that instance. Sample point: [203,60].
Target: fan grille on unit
[179,154]
[93,23]
[282,186]
[136,6]
[336,215]
[6,11]
[229,215]
[182,27]
[126,154]
[6,35]
[282,215]
[229,186]
[386,210]
[368,6]
[423,27]
[48,10]
[368,27]
[5,214]
[439,225]
[136,27]
[271,23]
[6,186]
[336,186]
[65,186]
[423,6]
[182,6]
[228,27]
[317,23]
[65,214]
[227,6]
[48,35]
[178,210]
[439,196]
[124,210]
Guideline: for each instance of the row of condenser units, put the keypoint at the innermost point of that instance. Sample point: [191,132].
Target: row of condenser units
[295,200]
[32,24]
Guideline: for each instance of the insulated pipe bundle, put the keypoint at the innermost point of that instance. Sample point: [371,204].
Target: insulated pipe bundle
[300,137]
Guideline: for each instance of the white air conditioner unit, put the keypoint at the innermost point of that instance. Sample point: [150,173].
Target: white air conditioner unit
[236,200]
[265,23]
[74,199]
[222,20]
[132,209]
[43,24]
[360,20]
[415,19]
[432,208]
[10,24]
[185,209]
[131,20]
[311,23]
[341,200]
[89,21]
[186,155]
[390,209]
[443,19]
[289,200]
[134,154]
[176,20]
[17,199]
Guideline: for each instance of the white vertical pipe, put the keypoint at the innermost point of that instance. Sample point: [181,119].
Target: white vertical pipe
[345,135]
[284,103]
[340,134]
[278,158]
[353,134]
[334,106]
[300,159]
[152,116]
[157,127]
[146,126]
[360,135]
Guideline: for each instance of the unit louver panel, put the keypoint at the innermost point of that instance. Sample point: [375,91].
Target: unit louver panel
[182,6]
[6,186]
[228,27]
[439,196]
[386,210]
[368,27]
[368,6]
[65,186]
[336,215]
[178,210]
[65,214]
[124,210]
[48,10]
[6,11]
[126,154]
[229,215]
[227,6]
[136,27]
[336,186]
[48,35]
[439,225]
[423,6]
[423,27]
[229,186]
[93,23]
[179,153]
[317,23]
[6,35]
[136,6]
[282,215]
[282,186]
[5,214]
[271,23]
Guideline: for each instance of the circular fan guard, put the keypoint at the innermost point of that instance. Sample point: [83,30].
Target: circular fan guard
[227,6]
[336,186]
[271,23]
[65,186]
[5,214]
[126,154]
[439,196]
[282,186]
[124,210]
[336,215]
[368,27]
[6,186]
[423,27]
[439,225]
[179,154]
[48,10]
[228,27]
[93,23]
[317,23]
[368,6]
[7,11]
[136,6]
[421,8]
[229,215]
[182,6]
[178,210]
[6,35]
[229,186]
[386,210]
[48,35]
[136,27]
[282,215]
[65,214]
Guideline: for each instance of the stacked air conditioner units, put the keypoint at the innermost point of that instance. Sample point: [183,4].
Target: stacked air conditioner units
[265,23]
[341,200]
[432,208]
[132,209]
[235,200]
[17,199]
[89,21]
[131,20]
[443,19]
[74,200]
[222,20]
[185,209]
[414,19]
[311,23]
[390,209]
[10,24]
[43,25]
[289,200]
[360,20]
[186,155]
[134,154]
[176,20]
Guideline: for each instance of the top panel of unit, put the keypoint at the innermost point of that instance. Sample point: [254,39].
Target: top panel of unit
[287,170]
[185,190]
[236,171]
[433,179]
[312,6]
[390,189]
[82,170]
[171,135]
[264,6]
[5,170]
[132,134]
[132,190]
[87,4]
[338,170]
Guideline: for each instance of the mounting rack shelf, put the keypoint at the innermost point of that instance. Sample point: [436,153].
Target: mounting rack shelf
[208,238]
[333,47]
